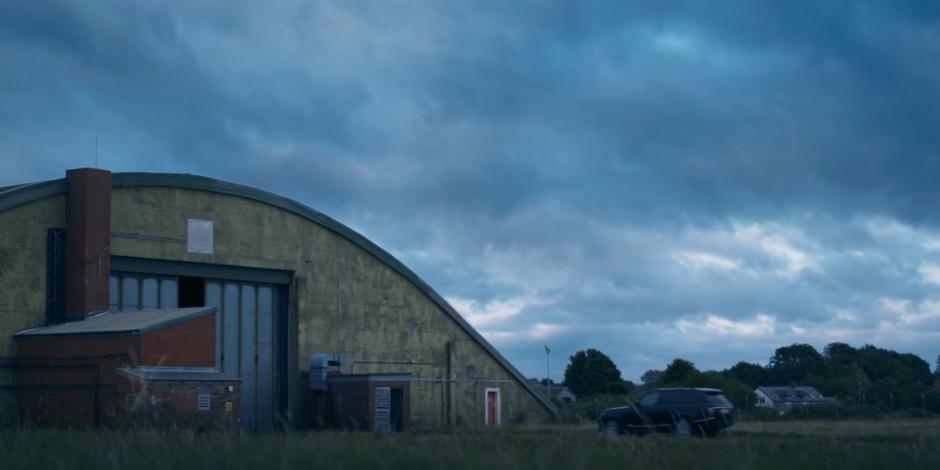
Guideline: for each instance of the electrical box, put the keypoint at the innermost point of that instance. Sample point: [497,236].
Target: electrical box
[320,364]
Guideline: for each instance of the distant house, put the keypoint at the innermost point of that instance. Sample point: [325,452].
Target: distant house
[559,391]
[783,399]
[564,394]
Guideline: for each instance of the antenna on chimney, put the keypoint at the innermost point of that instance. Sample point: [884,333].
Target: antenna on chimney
[96,151]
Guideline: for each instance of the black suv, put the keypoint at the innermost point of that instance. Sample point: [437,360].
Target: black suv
[703,411]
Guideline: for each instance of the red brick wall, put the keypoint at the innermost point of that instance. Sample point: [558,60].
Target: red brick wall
[352,402]
[175,404]
[190,343]
[49,361]
[77,346]
[87,242]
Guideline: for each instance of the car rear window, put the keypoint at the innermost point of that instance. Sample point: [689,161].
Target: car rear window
[717,399]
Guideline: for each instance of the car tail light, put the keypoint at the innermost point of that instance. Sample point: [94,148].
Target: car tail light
[718,410]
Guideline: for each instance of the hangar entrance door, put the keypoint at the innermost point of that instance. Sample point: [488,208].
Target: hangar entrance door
[251,321]
[248,327]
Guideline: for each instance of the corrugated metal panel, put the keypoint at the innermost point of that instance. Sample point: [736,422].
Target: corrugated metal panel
[132,291]
[113,292]
[265,357]
[248,357]
[149,290]
[120,322]
[248,343]
[169,292]
[230,329]
[214,299]
[129,297]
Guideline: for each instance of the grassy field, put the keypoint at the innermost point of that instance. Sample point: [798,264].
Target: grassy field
[801,445]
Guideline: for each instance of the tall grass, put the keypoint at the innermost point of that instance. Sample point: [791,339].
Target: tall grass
[904,444]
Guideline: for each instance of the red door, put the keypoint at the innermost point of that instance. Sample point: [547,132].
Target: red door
[492,407]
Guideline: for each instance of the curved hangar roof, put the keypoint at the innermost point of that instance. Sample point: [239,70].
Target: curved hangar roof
[17,195]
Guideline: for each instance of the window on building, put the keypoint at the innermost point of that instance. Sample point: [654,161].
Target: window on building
[192,291]
[133,291]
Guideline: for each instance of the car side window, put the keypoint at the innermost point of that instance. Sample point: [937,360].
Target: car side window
[693,397]
[668,398]
[649,399]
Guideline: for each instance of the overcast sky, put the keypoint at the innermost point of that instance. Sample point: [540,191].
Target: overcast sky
[706,180]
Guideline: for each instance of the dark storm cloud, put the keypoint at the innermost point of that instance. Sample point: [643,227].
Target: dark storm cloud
[568,173]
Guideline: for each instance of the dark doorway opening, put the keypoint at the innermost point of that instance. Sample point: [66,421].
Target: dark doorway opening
[192,292]
[396,409]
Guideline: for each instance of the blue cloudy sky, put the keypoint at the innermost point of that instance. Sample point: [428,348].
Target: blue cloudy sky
[708,180]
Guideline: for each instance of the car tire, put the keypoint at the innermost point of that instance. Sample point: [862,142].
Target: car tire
[612,428]
[684,427]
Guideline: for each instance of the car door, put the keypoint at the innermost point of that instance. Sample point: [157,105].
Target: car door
[664,413]
[691,405]
[645,406]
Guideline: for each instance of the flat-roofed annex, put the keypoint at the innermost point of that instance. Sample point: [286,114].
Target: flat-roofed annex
[120,323]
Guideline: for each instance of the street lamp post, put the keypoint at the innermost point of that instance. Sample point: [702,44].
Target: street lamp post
[548,372]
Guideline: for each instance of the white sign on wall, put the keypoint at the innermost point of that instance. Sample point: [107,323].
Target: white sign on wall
[199,236]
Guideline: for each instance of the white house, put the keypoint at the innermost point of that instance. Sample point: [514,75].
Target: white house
[783,399]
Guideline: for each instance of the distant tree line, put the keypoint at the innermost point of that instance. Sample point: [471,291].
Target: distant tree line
[867,376]
[591,372]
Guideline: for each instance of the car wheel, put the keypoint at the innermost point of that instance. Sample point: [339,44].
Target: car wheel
[683,427]
[612,428]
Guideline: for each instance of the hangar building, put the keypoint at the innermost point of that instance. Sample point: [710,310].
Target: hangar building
[229,304]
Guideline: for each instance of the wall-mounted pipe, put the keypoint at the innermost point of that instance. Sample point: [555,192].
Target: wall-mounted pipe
[443,380]
[448,390]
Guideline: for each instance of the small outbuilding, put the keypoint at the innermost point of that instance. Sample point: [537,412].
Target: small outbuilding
[784,398]
[558,392]
[139,365]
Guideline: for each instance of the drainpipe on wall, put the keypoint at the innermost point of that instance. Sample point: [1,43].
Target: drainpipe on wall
[448,384]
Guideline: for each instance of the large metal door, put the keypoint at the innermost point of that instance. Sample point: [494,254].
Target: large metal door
[251,321]
[246,326]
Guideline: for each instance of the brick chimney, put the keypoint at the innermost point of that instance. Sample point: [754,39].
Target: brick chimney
[87,242]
